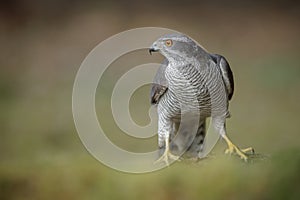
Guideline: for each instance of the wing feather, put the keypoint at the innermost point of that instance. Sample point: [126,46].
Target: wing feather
[226,72]
[160,84]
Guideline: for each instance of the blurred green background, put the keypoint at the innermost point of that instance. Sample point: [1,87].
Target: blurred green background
[42,46]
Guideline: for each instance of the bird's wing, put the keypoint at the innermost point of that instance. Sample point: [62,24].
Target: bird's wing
[226,72]
[160,84]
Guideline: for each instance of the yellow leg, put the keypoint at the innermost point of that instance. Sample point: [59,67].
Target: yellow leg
[167,154]
[232,148]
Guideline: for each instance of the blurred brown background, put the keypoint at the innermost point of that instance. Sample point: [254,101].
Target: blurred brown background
[42,46]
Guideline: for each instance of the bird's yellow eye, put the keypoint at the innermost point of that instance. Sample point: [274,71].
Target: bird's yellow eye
[168,43]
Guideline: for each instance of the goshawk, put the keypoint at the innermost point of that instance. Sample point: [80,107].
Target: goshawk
[190,80]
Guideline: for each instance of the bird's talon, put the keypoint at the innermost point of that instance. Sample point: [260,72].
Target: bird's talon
[229,151]
[244,157]
[162,158]
[249,149]
[174,157]
[165,157]
[233,149]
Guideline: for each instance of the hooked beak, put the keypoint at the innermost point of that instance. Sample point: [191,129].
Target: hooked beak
[152,50]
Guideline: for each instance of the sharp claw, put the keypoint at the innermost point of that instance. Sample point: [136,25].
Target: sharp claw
[248,149]
[232,148]
[162,158]
[165,157]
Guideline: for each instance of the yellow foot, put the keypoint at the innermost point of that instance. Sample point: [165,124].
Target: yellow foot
[234,149]
[165,157]
[249,149]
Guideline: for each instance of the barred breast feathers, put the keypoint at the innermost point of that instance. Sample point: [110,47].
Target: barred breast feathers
[194,86]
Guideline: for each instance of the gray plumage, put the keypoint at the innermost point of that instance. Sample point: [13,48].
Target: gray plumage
[189,80]
[160,86]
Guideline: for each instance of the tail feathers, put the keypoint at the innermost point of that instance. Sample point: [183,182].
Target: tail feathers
[184,141]
[198,142]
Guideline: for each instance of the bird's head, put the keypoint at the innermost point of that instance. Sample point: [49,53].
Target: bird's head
[175,47]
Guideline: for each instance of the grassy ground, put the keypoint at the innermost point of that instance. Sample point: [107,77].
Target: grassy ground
[41,156]
[81,177]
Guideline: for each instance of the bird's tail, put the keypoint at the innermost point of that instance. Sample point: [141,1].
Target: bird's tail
[184,141]
[198,143]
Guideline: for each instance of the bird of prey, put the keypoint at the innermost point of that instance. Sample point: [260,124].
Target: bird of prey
[190,80]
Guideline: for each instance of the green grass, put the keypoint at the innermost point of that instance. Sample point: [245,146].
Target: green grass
[81,177]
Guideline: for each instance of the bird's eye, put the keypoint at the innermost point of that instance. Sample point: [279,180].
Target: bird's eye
[168,43]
